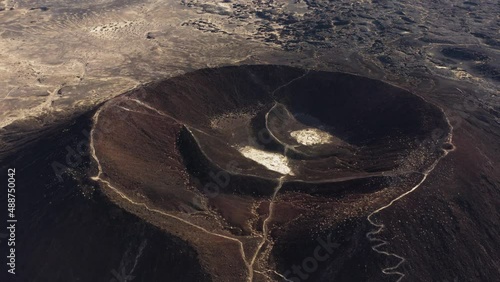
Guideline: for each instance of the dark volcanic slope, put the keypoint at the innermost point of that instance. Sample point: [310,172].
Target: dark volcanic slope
[250,164]
[68,231]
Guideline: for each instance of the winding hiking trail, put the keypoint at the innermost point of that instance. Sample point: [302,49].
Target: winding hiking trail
[380,226]
[264,237]
[265,228]
[251,259]
[122,195]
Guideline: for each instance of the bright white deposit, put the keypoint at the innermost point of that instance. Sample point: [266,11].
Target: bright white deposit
[311,136]
[272,161]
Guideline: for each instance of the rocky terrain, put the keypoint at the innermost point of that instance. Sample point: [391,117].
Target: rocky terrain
[115,221]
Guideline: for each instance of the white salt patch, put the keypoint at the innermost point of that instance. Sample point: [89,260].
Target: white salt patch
[311,136]
[272,161]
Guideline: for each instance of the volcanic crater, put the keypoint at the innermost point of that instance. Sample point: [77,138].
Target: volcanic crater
[245,162]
